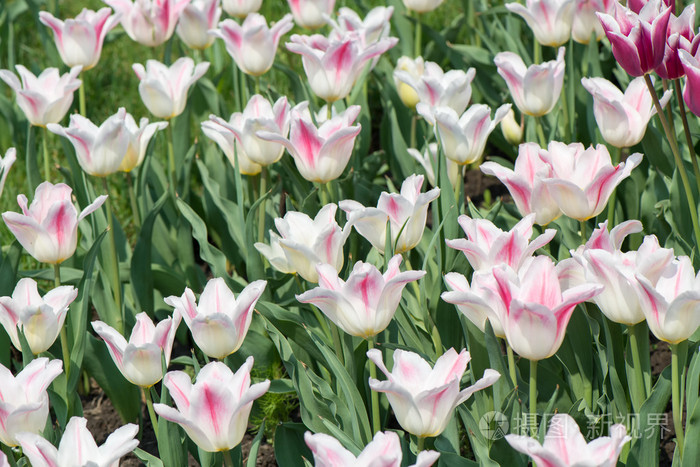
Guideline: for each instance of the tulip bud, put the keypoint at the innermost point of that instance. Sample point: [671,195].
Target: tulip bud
[511,129]
[414,69]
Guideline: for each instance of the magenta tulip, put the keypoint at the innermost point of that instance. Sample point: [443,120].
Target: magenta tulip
[680,36]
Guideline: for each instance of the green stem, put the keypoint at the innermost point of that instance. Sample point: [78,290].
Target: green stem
[134,204]
[584,233]
[434,333]
[47,164]
[616,157]
[686,129]
[421,444]
[116,283]
[677,157]
[418,44]
[636,336]
[151,412]
[31,162]
[322,194]
[536,52]
[414,120]
[81,95]
[540,132]
[257,85]
[511,364]
[171,158]
[533,394]
[261,209]
[329,111]
[64,335]
[376,425]
[677,399]
[228,462]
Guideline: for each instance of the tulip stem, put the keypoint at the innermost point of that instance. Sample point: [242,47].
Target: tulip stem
[151,412]
[420,444]
[540,132]
[636,337]
[171,158]
[134,204]
[322,194]
[47,164]
[677,398]
[257,84]
[511,364]
[533,395]
[414,120]
[686,129]
[616,158]
[584,232]
[228,462]
[376,425]
[116,283]
[64,335]
[418,45]
[536,52]
[261,210]
[81,96]
[677,156]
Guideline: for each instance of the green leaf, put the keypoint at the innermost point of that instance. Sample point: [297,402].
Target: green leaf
[255,446]
[290,445]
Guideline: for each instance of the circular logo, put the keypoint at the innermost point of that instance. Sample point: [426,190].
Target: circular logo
[493,425]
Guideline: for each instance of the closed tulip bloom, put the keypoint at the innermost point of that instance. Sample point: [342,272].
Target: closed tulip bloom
[564,445]
[5,166]
[638,40]
[691,90]
[241,8]
[164,89]
[384,450]
[48,228]
[140,359]
[680,36]
[537,309]
[149,22]
[414,69]
[549,20]
[365,304]
[429,161]
[463,138]
[423,398]
[487,246]
[78,447]
[622,118]
[511,129]
[406,212]
[585,22]
[214,410]
[306,242]
[195,22]
[24,403]
[39,318]
[100,150]
[582,179]
[311,14]
[671,304]
[139,137]
[525,183]
[252,44]
[535,89]
[422,6]
[320,153]
[79,41]
[220,322]
[45,98]
[479,301]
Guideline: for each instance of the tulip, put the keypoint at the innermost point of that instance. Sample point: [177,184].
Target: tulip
[638,40]
[373,28]
[48,228]
[252,44]
[164,89]
[220,322]
[149,22]
[241,8]
[140,359]
[5,166]
[564,445]
[422,6]
[214,410]
[622,118]
[413,69]
[535,89]
[3,460]
[585,22]
[691,90]
[79,41]
[305,243]
[311,14]
[24,403]
[525,183]
[550,20]
[139,137]
[220,132]
[582,180]
[463,139]
[511,130]
[39,319]
[100,150]
[322,153]
[45,98]
[479,301]
[423,398]
[637,5]
[429,161]
[405,211]
[384,450]
[487,246]
[333,66]
[680,36]
[78,447]
[365,304]
[197,19]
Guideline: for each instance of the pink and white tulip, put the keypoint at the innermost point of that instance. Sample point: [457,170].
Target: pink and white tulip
[5,166]
[149,22]
[680,36]
[48,228]
[564,445]
[622,118]
[406,212]
[45,98]
[423,398]
[220,322]
[413,69]
[241,8]
[100,150]
[139,137]
[164,89]
[582,179]
[535,89]
[78,447]
[549,20]
[253,44]
[304,243]
[365,304]
[24,402]
[320,153]
[585,22]
[196,20]
[221,134]
[140,359]
[422,6]
[463,138]
[311,14]
[479,301]
[375,27]
[384,450]
[79,41]
[214,410]
[691,90]
[429,161]
[39,318]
